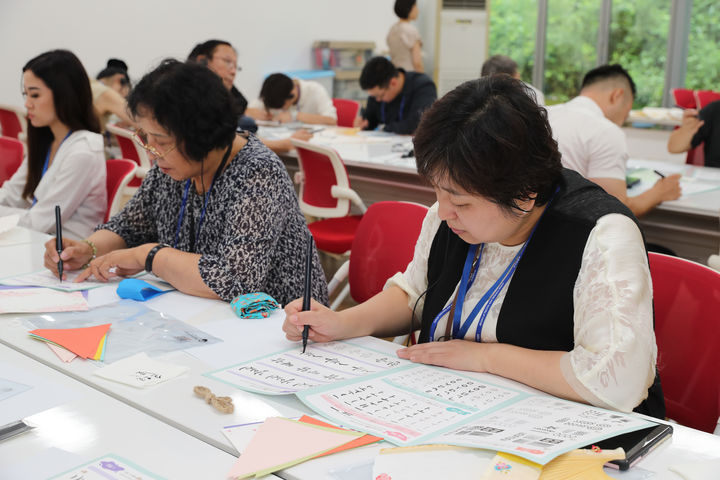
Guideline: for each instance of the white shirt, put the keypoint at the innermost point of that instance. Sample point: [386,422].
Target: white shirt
[76,180]
[613,362]
[314,100]
[589,143]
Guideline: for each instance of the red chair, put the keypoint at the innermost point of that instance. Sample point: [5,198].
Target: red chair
[706,97]
[12,122]
[120,172]
[347,110]
[131,151]
[325,193]
[684,97]
[687,329]
[384,244]
[11,156]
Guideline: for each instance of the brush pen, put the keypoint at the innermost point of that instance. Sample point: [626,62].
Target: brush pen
[58,240]
[308,289]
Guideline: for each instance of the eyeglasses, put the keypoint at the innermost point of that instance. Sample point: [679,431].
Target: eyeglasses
[141,139]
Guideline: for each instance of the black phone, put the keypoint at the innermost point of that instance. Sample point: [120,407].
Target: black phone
[636,444]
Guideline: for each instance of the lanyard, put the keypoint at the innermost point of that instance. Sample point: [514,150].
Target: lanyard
[47,161]
[400,112]
[472,263]
[205,200]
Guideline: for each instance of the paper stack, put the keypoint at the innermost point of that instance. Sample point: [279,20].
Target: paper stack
[88,342]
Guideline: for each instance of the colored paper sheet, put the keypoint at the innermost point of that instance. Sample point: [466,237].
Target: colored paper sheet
[81,341]
[63,353]
[358,442]
[280,443]
[100,352]
[38,300]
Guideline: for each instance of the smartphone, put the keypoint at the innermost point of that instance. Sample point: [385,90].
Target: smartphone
[636,444]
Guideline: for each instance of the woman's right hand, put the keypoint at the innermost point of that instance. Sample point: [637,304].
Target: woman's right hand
[325,324]
[74,255]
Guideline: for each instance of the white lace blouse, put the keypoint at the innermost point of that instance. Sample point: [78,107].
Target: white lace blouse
[613,362]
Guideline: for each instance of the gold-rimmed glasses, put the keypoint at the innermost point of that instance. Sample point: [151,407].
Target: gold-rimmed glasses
[141,139]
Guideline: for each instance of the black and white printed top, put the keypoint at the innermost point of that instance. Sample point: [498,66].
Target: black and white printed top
[253,235]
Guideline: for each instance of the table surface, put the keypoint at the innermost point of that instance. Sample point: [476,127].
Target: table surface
[173,403]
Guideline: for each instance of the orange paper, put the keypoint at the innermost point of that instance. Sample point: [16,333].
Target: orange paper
[81,341]
[358,442]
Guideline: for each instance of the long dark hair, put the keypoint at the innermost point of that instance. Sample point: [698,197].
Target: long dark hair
[65,76]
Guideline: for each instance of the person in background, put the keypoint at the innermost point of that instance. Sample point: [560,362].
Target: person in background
[504,64]
[522,269]
[404,40]
[115,76]
[286,99]
[109,90]
[699,127]
[216,216]
[587,129]
[396,99]
[65,164]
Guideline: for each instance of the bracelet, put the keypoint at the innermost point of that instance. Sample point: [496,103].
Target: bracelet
[94,253]
[151,256]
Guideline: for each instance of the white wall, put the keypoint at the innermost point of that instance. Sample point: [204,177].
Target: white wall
[270,35]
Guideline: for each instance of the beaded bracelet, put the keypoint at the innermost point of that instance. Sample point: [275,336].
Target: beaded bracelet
[94,253]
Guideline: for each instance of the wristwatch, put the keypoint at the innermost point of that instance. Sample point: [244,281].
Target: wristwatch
[151,256]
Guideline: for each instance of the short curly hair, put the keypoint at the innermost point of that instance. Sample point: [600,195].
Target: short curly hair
[191,103]
[489,137]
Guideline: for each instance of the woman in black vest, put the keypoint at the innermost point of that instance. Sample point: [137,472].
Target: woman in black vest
[522,268]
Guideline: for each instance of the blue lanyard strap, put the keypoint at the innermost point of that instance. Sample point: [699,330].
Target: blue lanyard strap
[47,161]
[186,191]
[400,112]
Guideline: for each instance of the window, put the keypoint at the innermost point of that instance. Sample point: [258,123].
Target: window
[512,32]
[703,66]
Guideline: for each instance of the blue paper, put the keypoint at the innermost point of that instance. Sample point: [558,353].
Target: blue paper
[136,289]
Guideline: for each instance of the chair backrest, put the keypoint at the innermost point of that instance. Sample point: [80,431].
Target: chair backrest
[347,110]
[130,150]
[119,173]
[321,169]
[706,97]
[687,328]
[696,156]
[684,97]
[384,244]
[12,121]
[11,156]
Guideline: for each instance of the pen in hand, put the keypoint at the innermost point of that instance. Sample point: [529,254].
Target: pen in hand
[659,174]
[58,240]
[308,289]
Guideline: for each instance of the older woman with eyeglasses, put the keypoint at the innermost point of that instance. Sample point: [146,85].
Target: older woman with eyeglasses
[216,216]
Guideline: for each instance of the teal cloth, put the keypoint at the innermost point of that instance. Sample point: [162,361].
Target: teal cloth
[254,305]
[136,289]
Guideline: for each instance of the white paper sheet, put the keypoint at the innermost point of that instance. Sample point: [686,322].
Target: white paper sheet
[421,404]
[35,300]
[140,371]
[45,278]
[290,370]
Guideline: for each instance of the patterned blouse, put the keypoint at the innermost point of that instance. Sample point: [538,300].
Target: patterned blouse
[252,237]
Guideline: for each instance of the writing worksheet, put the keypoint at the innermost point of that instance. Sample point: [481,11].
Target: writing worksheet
[45,278]
[290,371]
[420,404]
[108,467]
[29,300]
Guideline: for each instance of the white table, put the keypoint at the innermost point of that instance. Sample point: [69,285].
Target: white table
[78,424]
[174,404]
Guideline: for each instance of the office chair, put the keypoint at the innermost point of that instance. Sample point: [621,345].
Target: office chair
[11,156]
[686,296]
[384,244]
[325,193]
[706,97]
[347,110]
[120,172]
[684,97]
[12,122]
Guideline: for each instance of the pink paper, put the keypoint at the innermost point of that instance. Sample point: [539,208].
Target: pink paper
[63,353]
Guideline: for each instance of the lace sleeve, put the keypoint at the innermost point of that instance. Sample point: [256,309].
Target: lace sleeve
[613,362]
[413,280]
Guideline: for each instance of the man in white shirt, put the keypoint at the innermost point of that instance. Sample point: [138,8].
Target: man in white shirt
[587,129]
[286,99]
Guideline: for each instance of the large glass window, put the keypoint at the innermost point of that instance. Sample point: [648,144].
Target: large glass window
[571,46]
[703,60]
[638,42]
[513,24]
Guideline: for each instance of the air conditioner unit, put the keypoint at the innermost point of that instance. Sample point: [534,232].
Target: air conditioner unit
[463,30]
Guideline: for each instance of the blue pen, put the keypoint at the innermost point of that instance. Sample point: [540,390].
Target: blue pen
[58,240]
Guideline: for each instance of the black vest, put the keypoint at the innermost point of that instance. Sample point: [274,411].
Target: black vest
[537,312]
